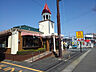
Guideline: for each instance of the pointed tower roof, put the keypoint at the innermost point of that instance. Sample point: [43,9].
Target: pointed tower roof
[46,9]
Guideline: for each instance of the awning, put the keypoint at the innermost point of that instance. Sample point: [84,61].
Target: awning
[31,34]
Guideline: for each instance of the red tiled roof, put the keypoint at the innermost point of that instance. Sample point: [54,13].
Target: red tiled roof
[46,9]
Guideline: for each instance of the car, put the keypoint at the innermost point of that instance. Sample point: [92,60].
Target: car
[74,46]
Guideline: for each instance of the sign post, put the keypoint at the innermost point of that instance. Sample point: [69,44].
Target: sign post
[79,34]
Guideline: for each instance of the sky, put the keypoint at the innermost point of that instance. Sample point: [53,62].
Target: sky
[75,15]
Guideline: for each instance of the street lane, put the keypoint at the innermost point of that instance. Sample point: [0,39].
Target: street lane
[50,64]
[88,64]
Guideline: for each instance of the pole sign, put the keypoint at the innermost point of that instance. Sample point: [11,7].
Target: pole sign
[79,34]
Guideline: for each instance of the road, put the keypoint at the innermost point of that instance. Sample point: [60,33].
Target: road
[50,64]
[88,64]
[11,67]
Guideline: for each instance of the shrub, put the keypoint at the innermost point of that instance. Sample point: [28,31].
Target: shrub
[41,49]
[30,51]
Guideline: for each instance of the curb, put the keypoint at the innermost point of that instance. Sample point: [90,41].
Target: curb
[70,67]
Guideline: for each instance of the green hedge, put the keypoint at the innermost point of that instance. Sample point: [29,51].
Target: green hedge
[30,51]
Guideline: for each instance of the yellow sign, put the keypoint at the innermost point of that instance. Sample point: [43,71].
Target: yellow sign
[79,34]
[72,43]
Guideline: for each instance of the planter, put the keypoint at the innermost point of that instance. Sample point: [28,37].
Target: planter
[20,57]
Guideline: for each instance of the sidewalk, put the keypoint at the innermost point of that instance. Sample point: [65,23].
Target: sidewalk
[37,57]
[49,62]
[65,54]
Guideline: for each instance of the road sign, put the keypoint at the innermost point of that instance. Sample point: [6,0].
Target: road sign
[79,34]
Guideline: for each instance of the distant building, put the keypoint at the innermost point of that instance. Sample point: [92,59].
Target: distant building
[90,39]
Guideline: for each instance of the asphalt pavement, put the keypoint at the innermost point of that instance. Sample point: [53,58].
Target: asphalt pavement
[88,64]
[49,64]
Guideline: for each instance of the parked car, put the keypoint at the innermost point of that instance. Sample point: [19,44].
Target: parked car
[74,46]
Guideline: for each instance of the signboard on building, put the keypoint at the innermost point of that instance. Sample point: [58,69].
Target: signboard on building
[79,34]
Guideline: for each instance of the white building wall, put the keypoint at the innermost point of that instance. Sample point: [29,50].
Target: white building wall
[54,43]
[62,44]
[9,42]
[46,27]
[43,27]
[51,27]
[89,36]
[92,45]
[14,39]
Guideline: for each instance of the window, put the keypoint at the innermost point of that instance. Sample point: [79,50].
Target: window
[46,16]
[49,17]
[88,37]
[52,25]
[31,42]
[3,42]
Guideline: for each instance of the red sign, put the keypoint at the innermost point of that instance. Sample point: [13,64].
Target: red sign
[87,40]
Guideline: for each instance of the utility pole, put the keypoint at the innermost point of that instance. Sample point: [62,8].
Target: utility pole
[59,29]
[80,46]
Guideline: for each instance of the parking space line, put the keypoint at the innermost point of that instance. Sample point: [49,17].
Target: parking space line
[13,69]
[2,66]
[8,68]
[21,66]
[21,71]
